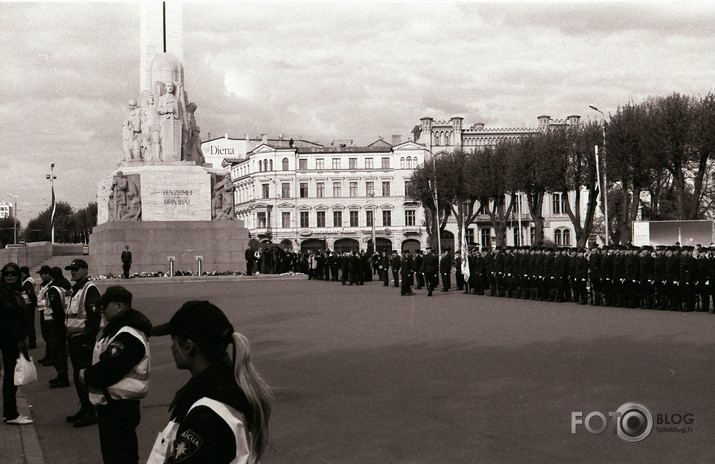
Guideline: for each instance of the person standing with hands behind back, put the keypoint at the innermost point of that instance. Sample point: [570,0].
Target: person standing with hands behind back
[119,376]
[82,324]
[13,339]
[221,415]
[126,261]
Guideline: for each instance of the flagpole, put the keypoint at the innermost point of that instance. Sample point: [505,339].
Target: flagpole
[51,177]
[436,206]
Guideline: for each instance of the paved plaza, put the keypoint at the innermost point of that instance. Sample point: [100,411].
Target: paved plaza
[363,375]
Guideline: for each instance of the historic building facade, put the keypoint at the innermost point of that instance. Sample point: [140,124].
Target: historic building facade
[441,136]
[339,198]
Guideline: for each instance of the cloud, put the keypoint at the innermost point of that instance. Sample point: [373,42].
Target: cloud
[329,71]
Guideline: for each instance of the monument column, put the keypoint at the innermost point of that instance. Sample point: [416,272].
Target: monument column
[152,36]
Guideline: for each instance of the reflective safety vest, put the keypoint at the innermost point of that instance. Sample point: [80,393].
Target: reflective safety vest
[164,444]
[25,296]
[75,314]
[135,384]
[43,303]
[43,300]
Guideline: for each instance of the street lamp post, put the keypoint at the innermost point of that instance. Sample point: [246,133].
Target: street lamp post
[605,175]
[14,217]
[51,177]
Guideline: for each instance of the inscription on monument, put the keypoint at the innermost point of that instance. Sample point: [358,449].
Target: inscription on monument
[177,197]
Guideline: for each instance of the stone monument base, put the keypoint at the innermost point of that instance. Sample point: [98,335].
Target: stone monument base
[220,244]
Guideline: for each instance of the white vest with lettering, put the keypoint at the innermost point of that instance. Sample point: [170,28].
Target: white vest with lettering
[43,300]
[75,314]
[164,444]
[25,296]
[134,385]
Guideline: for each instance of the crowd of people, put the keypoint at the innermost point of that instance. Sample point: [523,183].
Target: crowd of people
[220,416]
[671,278]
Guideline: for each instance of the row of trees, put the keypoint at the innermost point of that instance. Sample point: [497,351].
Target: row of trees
[70,226]
[660,155]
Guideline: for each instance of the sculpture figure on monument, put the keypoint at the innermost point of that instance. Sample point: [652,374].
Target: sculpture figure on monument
[133,210]
[131,133]
[225,188]
[192,151]
[151,125]
[124,198]
[171,127]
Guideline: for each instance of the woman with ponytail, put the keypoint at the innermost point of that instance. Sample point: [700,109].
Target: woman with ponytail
[221,415]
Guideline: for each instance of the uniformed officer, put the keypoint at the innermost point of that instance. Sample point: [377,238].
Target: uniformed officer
[82,324]
[419,276]
[430,267]
[221,415]
[118,378]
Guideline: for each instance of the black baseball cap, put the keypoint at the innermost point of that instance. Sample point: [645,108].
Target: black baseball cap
[116,293]
[45,269]
[77,263]
[199,321]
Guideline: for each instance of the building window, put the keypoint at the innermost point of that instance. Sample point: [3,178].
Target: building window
[386,162]
[261,220]
[260,166]
[410,217]
[353,189]
[320,187]
[285,164]
[304,219]
[270,165]
[370,188]
[369,218]
[320,163]
[559,203]
[385,189]
[285,220]
[387,218]
[369,163]
[409,191]
[532,234]
[487,237]
[304,190]
[337,189]
[470,236]
[516,236]
[562,237]
[402,162]
[337,218]
[320,219]
[410,162]
[353,163]
[354,218]
[266,190]
[285,190]
[336,163]
[303,164]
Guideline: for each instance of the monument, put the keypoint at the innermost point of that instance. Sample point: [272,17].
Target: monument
[161,199]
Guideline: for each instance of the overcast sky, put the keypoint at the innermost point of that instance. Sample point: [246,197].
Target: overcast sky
[324,71]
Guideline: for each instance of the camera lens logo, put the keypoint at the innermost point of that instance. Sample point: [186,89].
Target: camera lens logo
[634,422]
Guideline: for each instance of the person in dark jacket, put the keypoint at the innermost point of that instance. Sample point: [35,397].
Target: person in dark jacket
[119,375]
[445,270]
[406,274]
[430,267]
[57,333]
[222,413]
[13,339]
[395,264]
[419,276]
